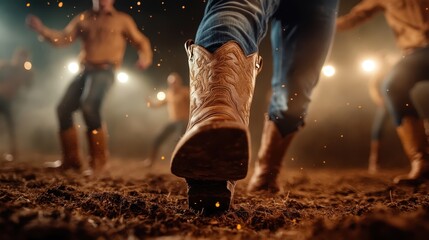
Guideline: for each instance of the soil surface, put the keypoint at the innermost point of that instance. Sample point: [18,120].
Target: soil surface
[134,202]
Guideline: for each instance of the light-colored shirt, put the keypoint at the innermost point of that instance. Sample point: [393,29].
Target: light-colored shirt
[104,36]
[409,20]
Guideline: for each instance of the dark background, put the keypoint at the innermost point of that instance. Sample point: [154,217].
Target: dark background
[337,133]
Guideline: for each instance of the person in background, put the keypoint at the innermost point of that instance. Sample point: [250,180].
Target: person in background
[409,21]
[104,33]
[13,75]
[177,102]
[385,63]
[224,62]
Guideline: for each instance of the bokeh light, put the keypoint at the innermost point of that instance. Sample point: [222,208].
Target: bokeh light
[122,77]
[369,65]
[328,71]
[28,65]
[161,96]
[73,67]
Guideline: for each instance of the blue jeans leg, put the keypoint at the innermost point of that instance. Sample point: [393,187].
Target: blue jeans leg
[96,87]
[400,81]
[301,36]
[242,21]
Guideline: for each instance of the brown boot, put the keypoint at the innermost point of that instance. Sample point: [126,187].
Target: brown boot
[412,135]
[270,157]
[70,151]
[97,141]
[216,146]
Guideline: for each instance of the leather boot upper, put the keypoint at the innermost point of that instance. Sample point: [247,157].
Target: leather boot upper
[221,84]
[270,157]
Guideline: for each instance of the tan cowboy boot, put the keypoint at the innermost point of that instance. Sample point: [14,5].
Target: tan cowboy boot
[412,135]
[70,151]
[215,148]
[97,140]
[270,157]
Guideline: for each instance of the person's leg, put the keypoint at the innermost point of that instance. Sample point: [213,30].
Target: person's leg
[223,66]
[410,127]
[301,36]
[159,140]
[378,124]
[68,132]
[96,86]
[6,110]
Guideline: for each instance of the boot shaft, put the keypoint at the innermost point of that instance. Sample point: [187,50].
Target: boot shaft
[413,138]
[97,141]
[221,84]
[70,148]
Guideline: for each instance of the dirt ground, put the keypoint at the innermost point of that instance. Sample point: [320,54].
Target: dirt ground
[137,203]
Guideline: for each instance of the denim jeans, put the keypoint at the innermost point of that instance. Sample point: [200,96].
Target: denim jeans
[86,92]
[301,36]
[412,69]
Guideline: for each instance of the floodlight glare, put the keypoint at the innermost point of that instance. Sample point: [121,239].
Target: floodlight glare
[328,70]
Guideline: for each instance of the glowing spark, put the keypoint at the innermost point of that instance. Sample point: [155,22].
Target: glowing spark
[162,158]
[183,7]
[60,4]
[238,226]
[28,65]
[94,132]
[139,3]
[73,67]
[28,5]
[217,204]
[161,96]
[328,71]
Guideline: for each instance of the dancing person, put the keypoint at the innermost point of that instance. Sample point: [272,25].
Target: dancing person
[13,75]
[104,33]
[409,21]
[177,101]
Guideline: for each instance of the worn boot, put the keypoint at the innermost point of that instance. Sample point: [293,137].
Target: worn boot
[97,141]
[412,135]
[270,157]
[70,151]
[215,148]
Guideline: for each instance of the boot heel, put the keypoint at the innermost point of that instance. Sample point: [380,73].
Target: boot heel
[215,152]
[210,197]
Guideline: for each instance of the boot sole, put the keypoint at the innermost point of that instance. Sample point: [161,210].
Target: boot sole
[216,151]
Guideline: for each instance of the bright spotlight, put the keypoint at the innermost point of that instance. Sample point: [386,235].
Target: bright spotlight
[122,77]
[161,96]
[328,71]
[28,65]
[369,65]
[73,67]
